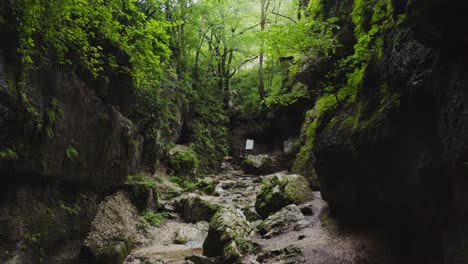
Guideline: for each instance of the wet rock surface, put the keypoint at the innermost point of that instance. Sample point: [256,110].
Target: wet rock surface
[193,208]
[229,234]
[258,164]
[282,190]
[290,217]
[311,237]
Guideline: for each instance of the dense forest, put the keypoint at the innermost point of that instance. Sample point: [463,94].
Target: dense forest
[124,126]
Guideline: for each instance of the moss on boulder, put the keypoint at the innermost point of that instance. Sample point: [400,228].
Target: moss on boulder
[258,165]
[281,191]
[194,208]
[228,235]
[142,192]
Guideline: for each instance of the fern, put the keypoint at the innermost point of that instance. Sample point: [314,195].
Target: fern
[71,153]
[8,154]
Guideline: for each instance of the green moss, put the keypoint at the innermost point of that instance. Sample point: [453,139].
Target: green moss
[281,191]
[187,185]
[231,252]
[326,219]
[185,162]
[304,157]
[142,191]
[115,253]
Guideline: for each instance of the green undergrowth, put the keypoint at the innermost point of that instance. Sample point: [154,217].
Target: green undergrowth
[185,184]
[155,219]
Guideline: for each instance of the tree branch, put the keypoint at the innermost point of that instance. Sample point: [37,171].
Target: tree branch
[241,64]
[283,16]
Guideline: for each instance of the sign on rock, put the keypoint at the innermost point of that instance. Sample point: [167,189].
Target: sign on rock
[249,144]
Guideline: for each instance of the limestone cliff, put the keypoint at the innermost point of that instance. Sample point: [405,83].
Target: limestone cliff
[394,152]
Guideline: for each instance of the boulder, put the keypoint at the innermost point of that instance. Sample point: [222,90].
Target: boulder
[228,235]
[113,231]
[200,259]
[207,185]
[281,191]
[258,165]
[281,221]
[289,254]
[142,192]
[194,208]
[192,233]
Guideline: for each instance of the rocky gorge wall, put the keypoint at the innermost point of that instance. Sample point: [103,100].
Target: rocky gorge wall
[395,155]
[63,148]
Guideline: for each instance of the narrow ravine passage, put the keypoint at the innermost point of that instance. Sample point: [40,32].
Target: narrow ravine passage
[317,240]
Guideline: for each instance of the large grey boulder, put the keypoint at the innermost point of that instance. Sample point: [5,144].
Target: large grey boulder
[228,235]
[192,233]
[194,208]
[113,231]
[258,164]
[290,217]
[280,191]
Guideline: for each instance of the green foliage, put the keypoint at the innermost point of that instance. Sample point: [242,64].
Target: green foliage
[284,99]
[72,210]
[185,162]
[307,38]
[244,85]
[185,184]
[210,131]
[315,8]
[154,219]
[8,154]
[67,32]
[141,180]
[71,153]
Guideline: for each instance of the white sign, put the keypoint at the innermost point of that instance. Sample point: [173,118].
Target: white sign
[249,144]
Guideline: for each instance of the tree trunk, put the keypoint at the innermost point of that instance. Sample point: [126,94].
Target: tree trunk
[261,85]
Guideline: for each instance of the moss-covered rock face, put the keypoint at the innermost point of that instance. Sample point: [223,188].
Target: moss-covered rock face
[142,191]
[258,165]
[228,235]
[400,136]
[194,208]
[281,191]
